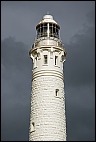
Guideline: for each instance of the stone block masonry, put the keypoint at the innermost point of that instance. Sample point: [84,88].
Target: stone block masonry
[48,120]
[47,115]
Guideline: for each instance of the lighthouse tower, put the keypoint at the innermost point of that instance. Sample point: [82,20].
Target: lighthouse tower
[47,116]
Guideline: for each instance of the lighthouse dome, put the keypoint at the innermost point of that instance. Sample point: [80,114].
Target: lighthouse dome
[48,19]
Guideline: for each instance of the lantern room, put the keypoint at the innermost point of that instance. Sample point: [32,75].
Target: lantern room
[47,27]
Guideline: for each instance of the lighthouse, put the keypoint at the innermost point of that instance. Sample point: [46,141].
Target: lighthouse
[47,114]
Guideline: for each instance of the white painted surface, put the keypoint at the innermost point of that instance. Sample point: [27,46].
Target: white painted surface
[47,117]
[47,109]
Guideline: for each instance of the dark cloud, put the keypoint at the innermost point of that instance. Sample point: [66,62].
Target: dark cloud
[16,66]
[16,87]
[80,64]
[91,17]
[79,73]
[80,111]
[19,19]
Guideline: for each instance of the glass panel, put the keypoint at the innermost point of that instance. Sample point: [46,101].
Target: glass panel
[54,25]
[41,25]
[41,31]
[45,31]
[50,31]
[37,27]
[53,30]
[50,24]
[56,32]
[38,31]
[45,24]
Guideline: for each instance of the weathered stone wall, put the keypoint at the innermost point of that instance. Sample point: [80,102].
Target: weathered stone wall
[47,120]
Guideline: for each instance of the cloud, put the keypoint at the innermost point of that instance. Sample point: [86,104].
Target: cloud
[79,70]
[18,19]
[80,111]
[16,88]
[80,62]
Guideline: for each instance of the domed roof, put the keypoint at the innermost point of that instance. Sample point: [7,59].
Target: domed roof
[48,18]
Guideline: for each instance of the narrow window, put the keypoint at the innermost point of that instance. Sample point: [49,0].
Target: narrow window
[38,55]
[35,62]
[56,60]
[62,58]
[33,127]
[57,92]
[45,59]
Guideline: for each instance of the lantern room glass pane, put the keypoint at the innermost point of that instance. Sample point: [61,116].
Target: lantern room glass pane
[50,31]
[42,30]
[53,30]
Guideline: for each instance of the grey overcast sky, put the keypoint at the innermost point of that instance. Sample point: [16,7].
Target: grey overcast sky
[77,22]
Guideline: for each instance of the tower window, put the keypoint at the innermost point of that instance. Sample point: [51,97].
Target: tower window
[38,55]
[32,127]
[56,60]
[57,92]
[45,59]
[62,58]
[35,62]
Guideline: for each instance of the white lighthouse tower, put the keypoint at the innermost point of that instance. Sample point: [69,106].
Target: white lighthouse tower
[47,116]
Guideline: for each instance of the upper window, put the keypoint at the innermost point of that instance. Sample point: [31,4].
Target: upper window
[62,58]
[45,59]
[35,62]
[38,55]
[56,60]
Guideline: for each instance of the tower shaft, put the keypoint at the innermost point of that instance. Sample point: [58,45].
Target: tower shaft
[47,117]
